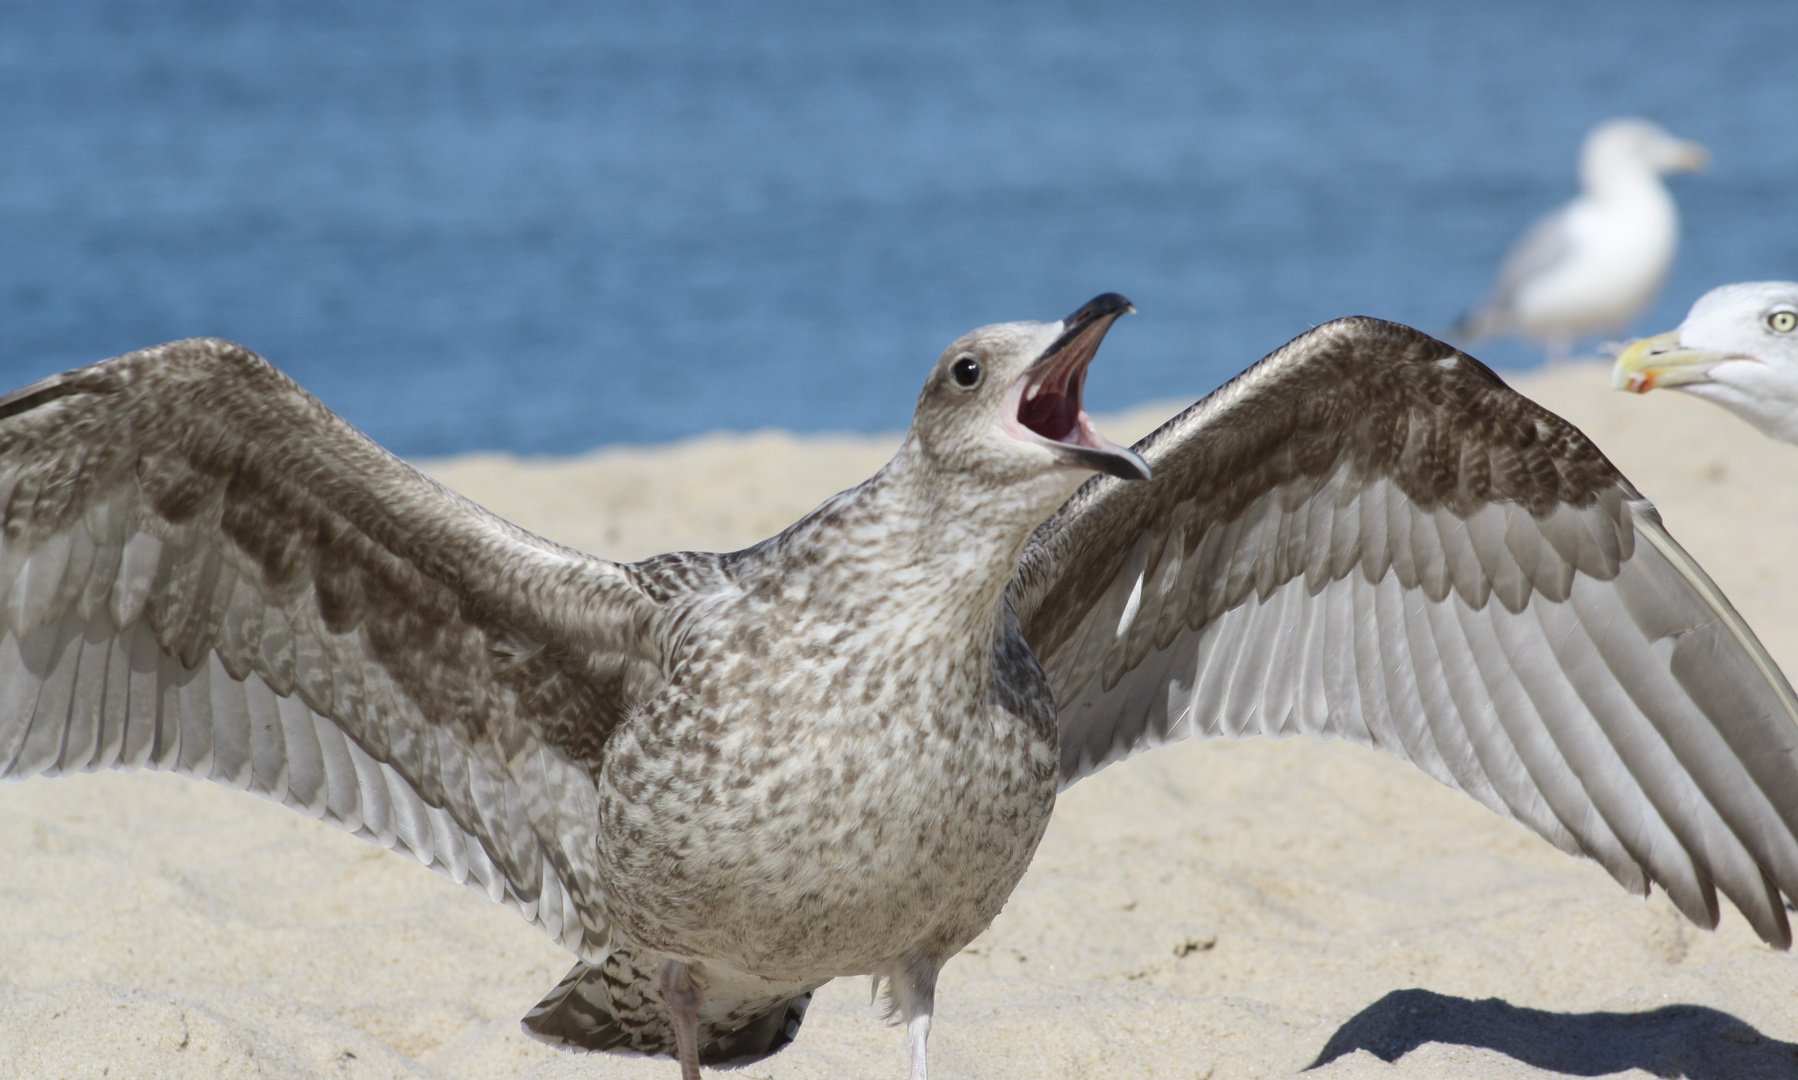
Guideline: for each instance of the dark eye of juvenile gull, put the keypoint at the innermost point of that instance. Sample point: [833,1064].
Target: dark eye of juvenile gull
[966,371]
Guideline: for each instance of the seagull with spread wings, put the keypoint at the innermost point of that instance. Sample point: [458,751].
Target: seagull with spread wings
[721,780]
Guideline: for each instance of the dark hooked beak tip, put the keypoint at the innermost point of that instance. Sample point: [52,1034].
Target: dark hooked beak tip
[1099,307]
[1100,311]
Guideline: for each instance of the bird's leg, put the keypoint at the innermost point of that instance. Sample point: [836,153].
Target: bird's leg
[914,993]
[918,1031]
[683,995]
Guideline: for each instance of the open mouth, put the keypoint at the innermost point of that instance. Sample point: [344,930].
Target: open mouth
[1050,402]
[1043,405]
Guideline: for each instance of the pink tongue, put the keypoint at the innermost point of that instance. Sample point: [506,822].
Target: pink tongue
[1049,414]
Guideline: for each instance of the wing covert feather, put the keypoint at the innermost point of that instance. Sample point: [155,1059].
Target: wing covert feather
[1369,536]
[204,569]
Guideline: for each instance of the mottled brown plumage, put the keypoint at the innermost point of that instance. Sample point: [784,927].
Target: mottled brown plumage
[722,779]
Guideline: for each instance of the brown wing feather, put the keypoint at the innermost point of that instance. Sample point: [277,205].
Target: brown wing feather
[1369,536]
[1364,395]
[206,569]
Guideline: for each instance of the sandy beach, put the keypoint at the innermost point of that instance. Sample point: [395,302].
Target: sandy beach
[1219,910]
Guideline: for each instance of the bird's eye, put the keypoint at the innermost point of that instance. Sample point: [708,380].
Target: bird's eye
[966,370]
[1783,322]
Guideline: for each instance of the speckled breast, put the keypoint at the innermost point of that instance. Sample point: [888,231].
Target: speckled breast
[805,828]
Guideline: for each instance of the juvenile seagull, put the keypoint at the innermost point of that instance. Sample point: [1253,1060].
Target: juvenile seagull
[1738,347]
[1597,263]
[722,780]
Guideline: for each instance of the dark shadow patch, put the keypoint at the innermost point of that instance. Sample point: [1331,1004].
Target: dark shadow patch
[1686,1041]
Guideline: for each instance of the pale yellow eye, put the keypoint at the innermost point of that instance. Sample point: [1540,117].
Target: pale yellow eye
[1783,322]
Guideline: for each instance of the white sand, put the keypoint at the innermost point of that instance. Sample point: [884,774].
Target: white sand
[1217,910]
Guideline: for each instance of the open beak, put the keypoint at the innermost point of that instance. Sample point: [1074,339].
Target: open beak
[1660,361]
[1043,405]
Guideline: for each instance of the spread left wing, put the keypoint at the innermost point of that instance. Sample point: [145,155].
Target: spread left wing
[203,569]
[1369,536]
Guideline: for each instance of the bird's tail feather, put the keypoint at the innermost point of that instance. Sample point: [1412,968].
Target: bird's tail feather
[617,1006]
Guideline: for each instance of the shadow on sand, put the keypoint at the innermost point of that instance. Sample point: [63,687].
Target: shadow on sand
[1687,1041]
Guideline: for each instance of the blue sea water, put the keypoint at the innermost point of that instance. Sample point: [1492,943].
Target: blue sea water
[544,227]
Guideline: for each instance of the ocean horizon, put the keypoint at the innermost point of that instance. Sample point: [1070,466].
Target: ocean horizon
[542,229]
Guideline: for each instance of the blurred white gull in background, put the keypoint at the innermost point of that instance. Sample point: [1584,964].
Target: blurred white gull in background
[1594,265]
[1738,347]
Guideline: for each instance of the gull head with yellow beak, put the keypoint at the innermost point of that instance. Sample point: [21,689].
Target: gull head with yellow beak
[1738,347]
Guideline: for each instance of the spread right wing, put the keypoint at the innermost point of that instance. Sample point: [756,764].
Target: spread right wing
[1369,536]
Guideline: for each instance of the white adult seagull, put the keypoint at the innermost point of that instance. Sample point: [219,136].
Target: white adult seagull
[1738,347]
[1596,264]
[723,780]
